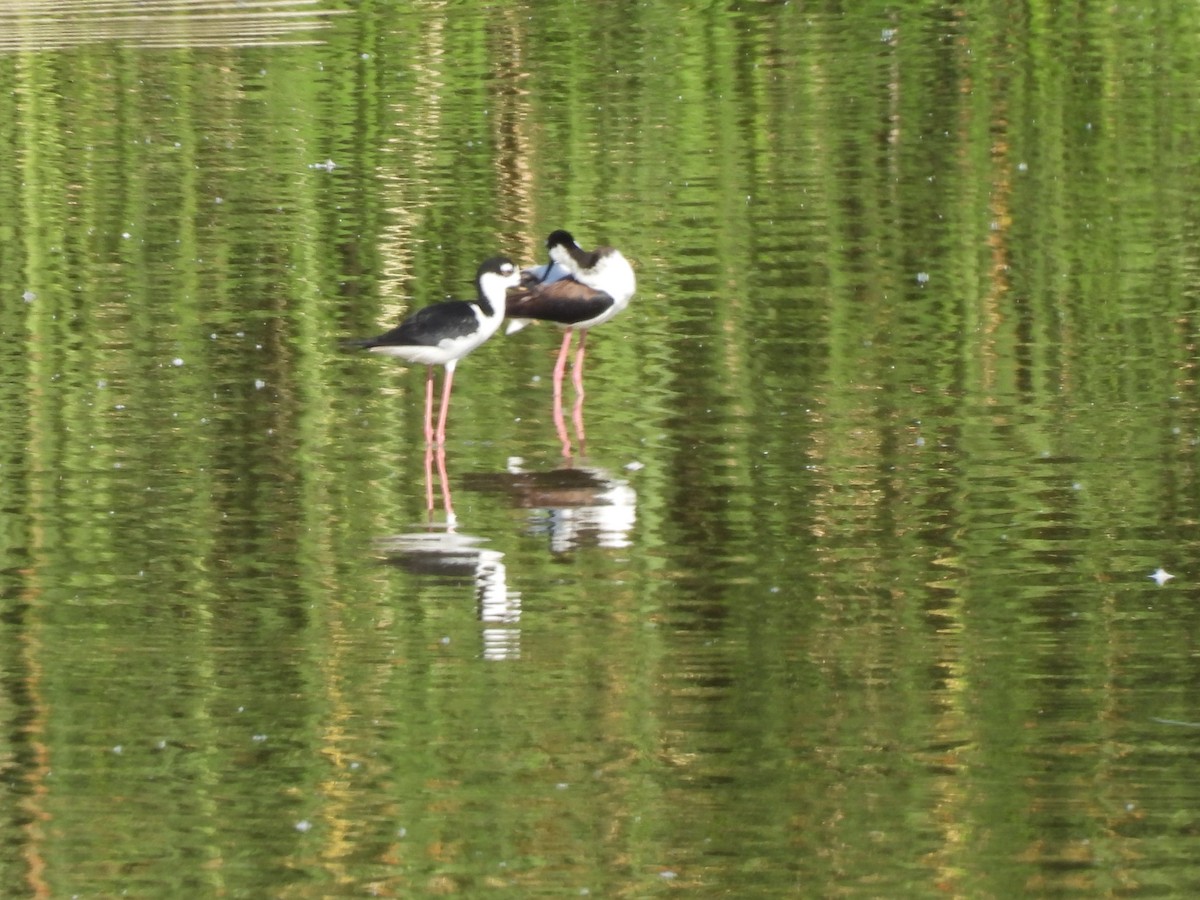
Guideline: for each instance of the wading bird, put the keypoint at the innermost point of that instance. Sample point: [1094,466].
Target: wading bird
[577,290]
[443,333]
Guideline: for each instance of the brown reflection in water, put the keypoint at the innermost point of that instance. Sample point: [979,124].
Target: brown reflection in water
[50,25]
[582,506]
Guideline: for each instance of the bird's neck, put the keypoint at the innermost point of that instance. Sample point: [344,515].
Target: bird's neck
[491,296]
[573,258]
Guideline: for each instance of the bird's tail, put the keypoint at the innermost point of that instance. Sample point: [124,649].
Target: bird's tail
[515,325]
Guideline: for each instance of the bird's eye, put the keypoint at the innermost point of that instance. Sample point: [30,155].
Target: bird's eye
[506,269]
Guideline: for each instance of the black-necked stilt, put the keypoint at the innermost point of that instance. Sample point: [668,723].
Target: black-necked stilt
[577,290]
[443,333]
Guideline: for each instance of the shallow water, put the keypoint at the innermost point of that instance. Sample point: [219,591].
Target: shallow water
[848,592]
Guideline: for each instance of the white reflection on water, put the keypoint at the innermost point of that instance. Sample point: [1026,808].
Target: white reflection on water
[449,554]
[55,24]
[574,507]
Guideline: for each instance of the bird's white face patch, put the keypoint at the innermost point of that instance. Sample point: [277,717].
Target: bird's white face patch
[495,283]
[559,254]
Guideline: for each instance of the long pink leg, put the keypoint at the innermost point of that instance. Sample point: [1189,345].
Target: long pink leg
[429,479]
[560,368]
[447,503]
[577,380]
[429,404]
[441,429]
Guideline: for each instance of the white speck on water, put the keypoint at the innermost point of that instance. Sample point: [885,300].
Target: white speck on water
[635,466]
[259,384]
[303,825]
[29,296]
[1022,167]
[445,639]
[922,278]
[1161,576]
[177,361]
[126,235]
[118,749]
[401,832]
[258,738]
[668,875]
[102,384]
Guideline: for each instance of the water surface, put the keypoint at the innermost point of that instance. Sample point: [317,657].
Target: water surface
[846,594]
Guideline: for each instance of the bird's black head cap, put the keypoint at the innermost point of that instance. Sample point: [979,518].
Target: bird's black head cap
[560,238]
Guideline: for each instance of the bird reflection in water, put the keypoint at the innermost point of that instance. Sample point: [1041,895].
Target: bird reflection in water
[574,506]
[441,550]
[446,554]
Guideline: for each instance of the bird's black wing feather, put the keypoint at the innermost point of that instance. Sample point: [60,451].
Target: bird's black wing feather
[429,325]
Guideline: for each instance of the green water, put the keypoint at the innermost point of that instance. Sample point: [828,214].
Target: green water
[849,593]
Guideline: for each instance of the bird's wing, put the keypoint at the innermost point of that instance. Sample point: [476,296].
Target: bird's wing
[431,324]
[565,301]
